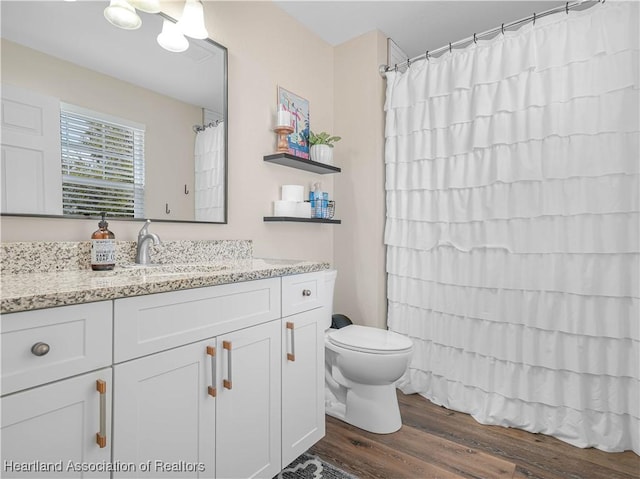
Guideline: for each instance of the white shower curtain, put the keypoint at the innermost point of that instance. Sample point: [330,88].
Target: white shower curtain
[210,174]
[512,226]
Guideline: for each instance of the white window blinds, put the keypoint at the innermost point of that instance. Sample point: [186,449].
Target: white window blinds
[102,164]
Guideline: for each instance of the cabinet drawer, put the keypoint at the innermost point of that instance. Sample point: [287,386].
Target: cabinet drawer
[302,292]
[156,322]
[78,339]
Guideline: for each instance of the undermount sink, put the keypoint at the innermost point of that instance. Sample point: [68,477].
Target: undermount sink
[134,269]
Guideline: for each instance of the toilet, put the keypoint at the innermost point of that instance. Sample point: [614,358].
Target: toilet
[362,365]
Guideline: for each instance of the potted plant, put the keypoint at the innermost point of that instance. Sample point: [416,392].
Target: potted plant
[321,147]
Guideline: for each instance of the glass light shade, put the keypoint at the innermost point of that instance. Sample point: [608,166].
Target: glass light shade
[121,14]
[172,38]
[192,21]
[149,6]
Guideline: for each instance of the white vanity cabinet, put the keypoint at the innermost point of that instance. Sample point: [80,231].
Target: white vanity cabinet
[225,381]
[211,408]
[56,386]
[303,418]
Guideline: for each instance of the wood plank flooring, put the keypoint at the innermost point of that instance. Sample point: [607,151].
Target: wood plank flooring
[435,442]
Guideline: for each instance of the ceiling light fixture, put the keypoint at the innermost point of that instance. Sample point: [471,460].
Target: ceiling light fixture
[192,21]
[171,38]
[149,6]
[121,14]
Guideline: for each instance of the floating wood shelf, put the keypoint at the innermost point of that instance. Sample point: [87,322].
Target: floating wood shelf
[301,220]
[291,161]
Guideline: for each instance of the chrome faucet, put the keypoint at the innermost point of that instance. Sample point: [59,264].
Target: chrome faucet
[142,249]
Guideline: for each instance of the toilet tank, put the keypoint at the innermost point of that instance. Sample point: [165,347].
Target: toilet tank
[329,283]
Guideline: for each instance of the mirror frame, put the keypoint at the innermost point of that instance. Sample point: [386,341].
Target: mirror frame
[225,84]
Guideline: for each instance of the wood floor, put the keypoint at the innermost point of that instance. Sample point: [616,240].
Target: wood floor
[435,442]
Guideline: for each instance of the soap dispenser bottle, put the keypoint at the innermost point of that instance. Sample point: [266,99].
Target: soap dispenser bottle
[103,247]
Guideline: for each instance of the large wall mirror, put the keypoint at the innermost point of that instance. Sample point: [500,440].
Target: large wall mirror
[98,118]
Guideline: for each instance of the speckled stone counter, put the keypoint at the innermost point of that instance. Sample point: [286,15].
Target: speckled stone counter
[46,256]
[24,291]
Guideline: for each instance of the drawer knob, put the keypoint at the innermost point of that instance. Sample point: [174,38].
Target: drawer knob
[40,349]
[306,292]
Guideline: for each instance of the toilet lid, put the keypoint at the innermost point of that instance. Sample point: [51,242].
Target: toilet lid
[365,338]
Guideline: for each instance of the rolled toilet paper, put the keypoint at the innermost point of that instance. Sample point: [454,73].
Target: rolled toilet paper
[303,210]
[292,193]
[284,208]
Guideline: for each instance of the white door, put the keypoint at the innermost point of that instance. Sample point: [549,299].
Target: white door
[248,413]
[303,419]
[31,172]
[164,415]
[57,426]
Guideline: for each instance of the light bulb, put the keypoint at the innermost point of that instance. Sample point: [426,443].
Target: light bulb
[122,15]
[149,6]
[192,21]
[172,38]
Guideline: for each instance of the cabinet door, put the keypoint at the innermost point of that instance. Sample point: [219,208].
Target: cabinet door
[164,414]
[53,429]
[303,421]
[248,410]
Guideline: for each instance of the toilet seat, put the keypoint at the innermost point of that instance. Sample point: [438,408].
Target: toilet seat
[369,340]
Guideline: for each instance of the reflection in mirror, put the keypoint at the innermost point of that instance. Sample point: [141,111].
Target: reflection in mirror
[97,118]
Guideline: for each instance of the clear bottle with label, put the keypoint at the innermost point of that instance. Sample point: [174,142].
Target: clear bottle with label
[317,196]
[103,247]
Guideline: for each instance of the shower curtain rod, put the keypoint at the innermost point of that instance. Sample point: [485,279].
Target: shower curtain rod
[198,128]
[474,38]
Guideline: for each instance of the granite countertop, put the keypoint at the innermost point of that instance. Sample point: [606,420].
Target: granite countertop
[28,291]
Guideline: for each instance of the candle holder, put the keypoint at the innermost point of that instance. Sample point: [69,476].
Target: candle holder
[283,131]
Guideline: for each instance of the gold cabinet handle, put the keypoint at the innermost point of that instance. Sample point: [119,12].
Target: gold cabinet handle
[101,437]
[211,351]
[291,356]
[306,292]
[40,349]
[227,382]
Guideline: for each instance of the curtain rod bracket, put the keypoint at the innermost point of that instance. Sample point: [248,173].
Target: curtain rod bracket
[198,128]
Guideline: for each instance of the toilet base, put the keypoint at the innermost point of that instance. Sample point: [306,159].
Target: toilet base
[372,408]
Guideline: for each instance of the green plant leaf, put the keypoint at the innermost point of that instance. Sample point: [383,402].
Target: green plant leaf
[322,138]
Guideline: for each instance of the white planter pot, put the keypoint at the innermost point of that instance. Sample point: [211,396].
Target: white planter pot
[322,154]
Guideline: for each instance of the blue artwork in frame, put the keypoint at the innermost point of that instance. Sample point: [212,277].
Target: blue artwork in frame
[298,107]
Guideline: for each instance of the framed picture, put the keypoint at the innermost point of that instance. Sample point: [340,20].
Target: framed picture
[298,107]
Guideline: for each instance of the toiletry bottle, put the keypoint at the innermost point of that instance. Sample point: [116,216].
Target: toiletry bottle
[325,204]
[103,247]
[317,194]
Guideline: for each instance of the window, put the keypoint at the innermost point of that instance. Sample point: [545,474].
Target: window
[102,164]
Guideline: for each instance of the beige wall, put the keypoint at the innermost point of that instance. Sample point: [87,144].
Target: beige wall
[169,164]
[267,48]
[359,253]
